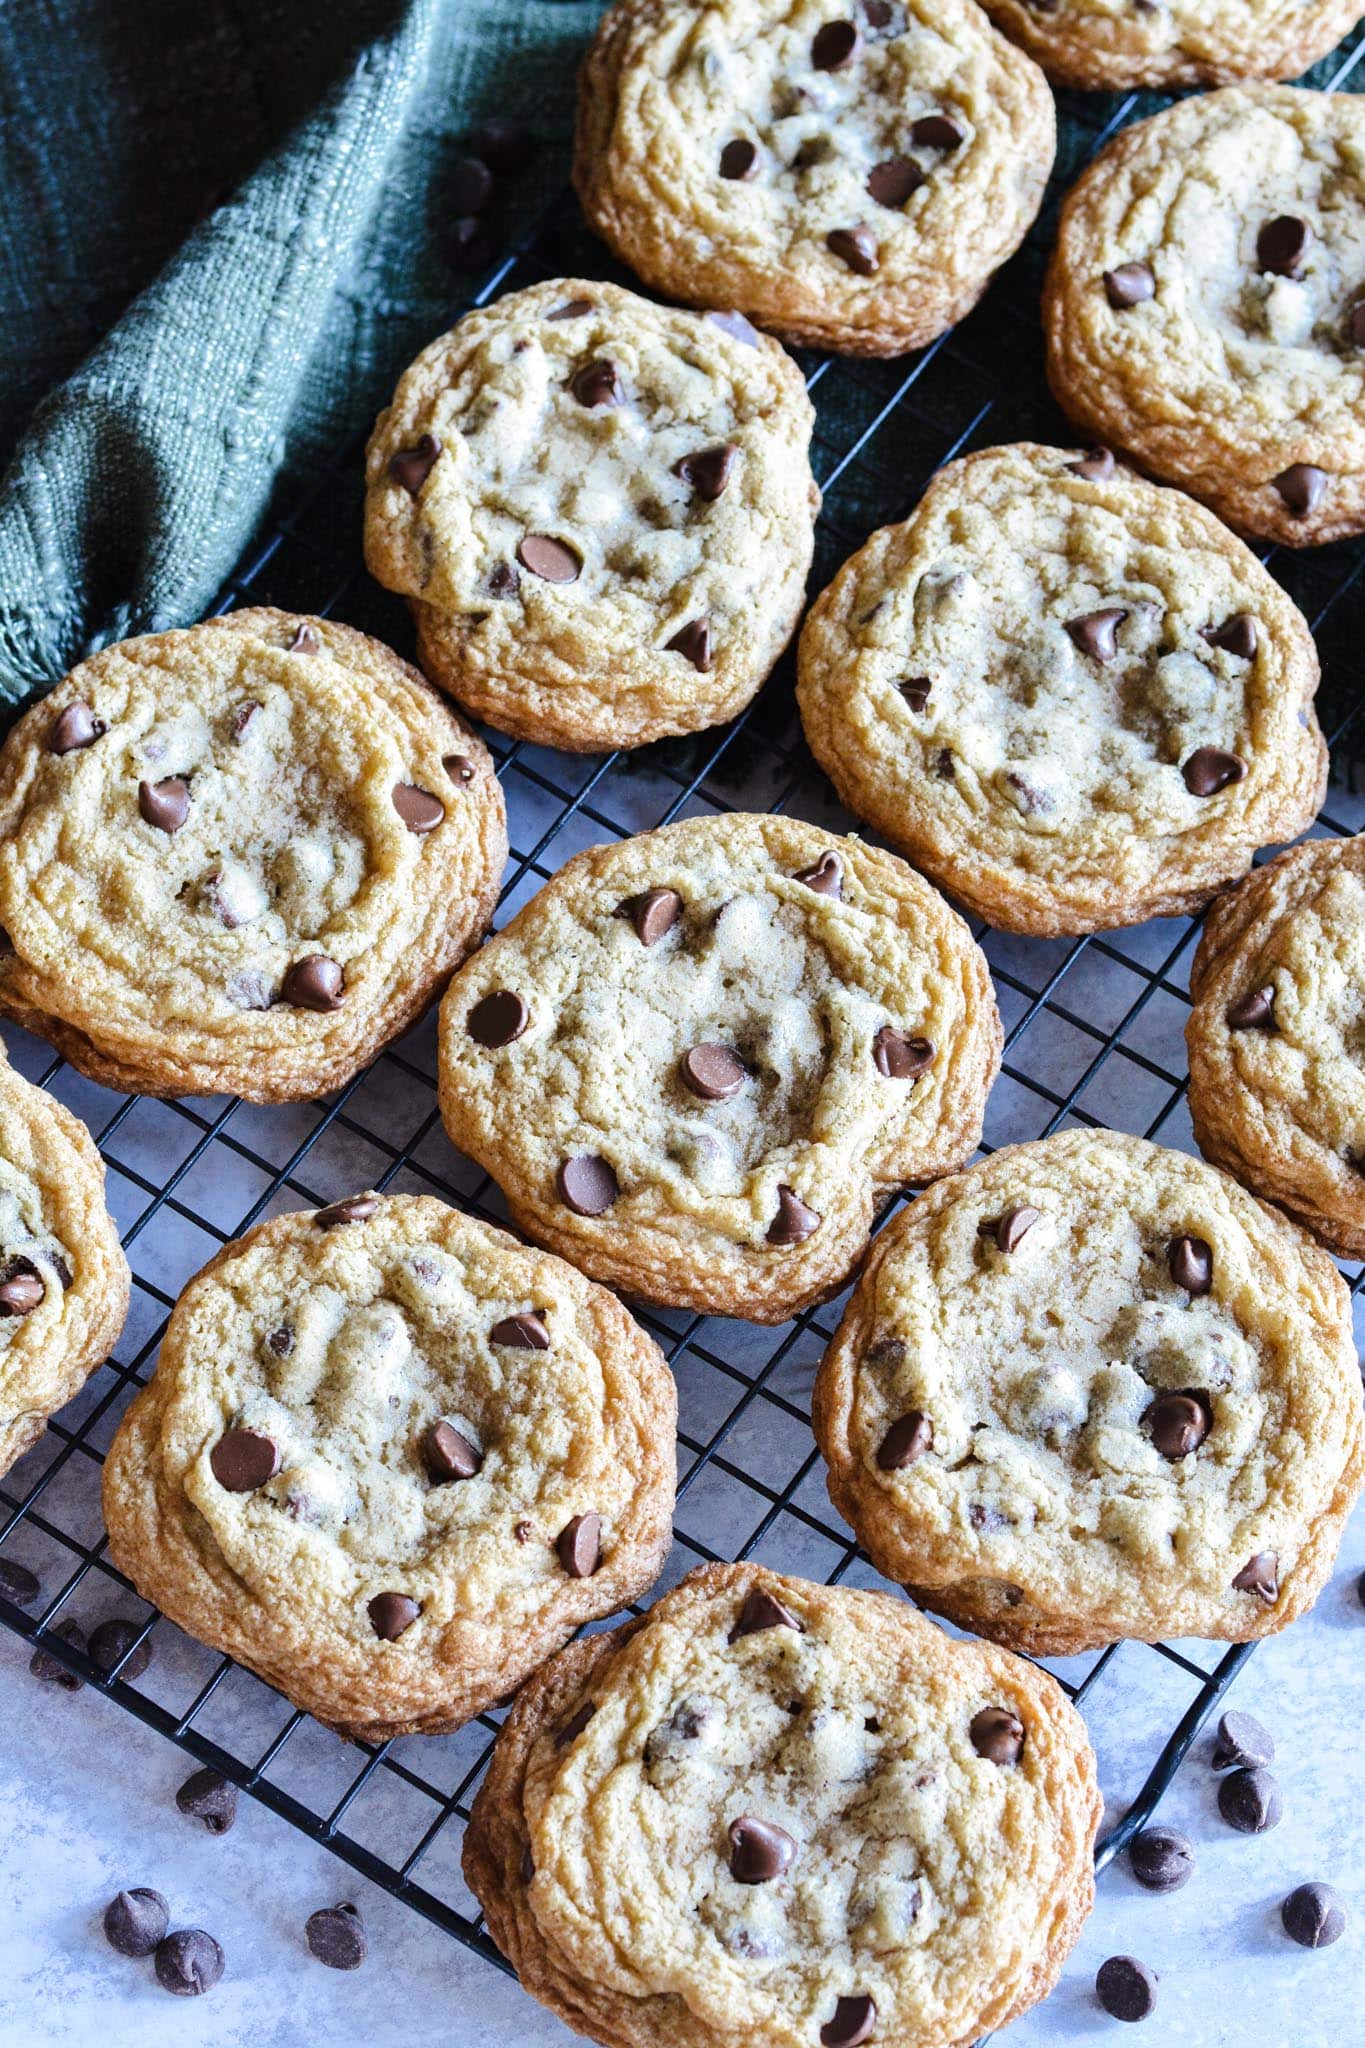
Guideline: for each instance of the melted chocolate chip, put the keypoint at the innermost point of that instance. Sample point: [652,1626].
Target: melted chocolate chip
[835,46]
[419,811]
[1010,1230]
[1237,635]
[1179,1423]
[410,467]
[1210,769]
[575,1724]
[708,470]
[1283,244]
[794,1222]
[1129,285]
[587,1184]
[524,1332]
[458,767]
[738,159]
[497,1019]
[73,729]
[1095,632]
[759,1850]
[856,247]
[916,692]
[448,1454]
[909,1438]
[693,643]
[572,309]
[1097,467]
[898,1056]
[391,1614]
[166,805]
[1301,486]
[853,2023]
[355,1209]
[315,983]
[597,383]
[826,877]
[1253,1012]
[579,1546]
[1190,1260]
[552,560]
[736,326]
[713,1072]
[997,1734]
[305,640]
[890,183]
[762,1610]
[20,1294]
[243,1460]
[1260,1575]
[937,131]
[653,914]
[244,717]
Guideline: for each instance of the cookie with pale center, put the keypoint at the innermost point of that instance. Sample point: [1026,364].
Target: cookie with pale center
[794,1815]
[1113,45]
[391,1459]
[1093,1389]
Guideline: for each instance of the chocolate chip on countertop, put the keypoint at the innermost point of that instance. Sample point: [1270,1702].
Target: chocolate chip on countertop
[17,1583]
[1249,1800]
[448,1454]
[1094,632]
[354,1209]
[907,1440]
[856,247]
[188,1962]
[587,1184]
[1253,1012]
[890,183]
[136,1921]
[1210,769]
[73,729]
[1241,1740]
[713,1072]
[1283,244]
[835,46]
[112,1640]
[997,1735]
[579,1546]
[471,185]
[1190,1260]
[209,1797]
[243,1460]
[708,469]
[44,1665]
[314,983]
[794,1221]
[826,877]
[738,159]
[1161,1859]
[1260,1575]
[762,1610]
[497,1019]
[336,1936]
[1178,1423]
[1129,285]
[653,913]
[391,1615]
[525,1332]
[506,146]
[853,2022]
[410,467]
[1126,1988]
[166,804]
[419,811]
[1314,1915]
[1301,486]
[759,1850]
[1237,635]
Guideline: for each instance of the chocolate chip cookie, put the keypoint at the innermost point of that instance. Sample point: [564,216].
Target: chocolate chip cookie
[600,510]
[1277,1093]
[697,1059]
[849,173]
[63,1276]
[1204,311]
[1093,1389]
[1070,696]
[789,1815]
[1112,45]
[240,859]
[391,1459]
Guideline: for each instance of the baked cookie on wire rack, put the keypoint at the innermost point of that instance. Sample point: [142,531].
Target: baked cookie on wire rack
[849,173]
[1114,45]
[1093,1389]
[390,1459]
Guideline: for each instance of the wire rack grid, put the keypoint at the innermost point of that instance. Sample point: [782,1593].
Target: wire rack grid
[1094,1035]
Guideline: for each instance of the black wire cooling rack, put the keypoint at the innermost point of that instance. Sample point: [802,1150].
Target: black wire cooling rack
[1094,1035]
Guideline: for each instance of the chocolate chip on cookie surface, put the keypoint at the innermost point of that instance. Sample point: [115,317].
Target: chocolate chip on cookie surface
[1112,45]
[848,177]
[611,541]
[235,859]
[740,1032]
[1237,370]
[1146,1419]
[396,1514]
[841,1829]
[1122,693]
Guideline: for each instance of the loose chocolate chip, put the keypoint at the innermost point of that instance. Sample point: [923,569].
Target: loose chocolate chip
[1282,245]
[1313,1915]
[1161,1860]
[693,643]
[1190,1260]
[853,2022]
[1242,1741]
[188,1962]
[1010,1230]
[653,914]
[113,1640]
[736,326]
[209,1797]
[1129,285]
[1260,1575]
[890,183]
[1126,1988]
[587,1184]
[551,560]
[1210,769]
[505,145]
[355,1209]
[794,1222]
[166,805]
[857,247]
[471,185]
[50,1669]
[759,1850]
[1253,1012]
[708,471]
[410,467]
[826,877]
[243,1460]
[1237,635]
[458,767]
[20,1294]
[391,1614]
[763,1610]
[1097,467]
[315,983]
[597,383]
[835,46]
[1355,325]
[17,1583]
[907,1440]
[575,1724]
[1094,633]
[937,131]
[74,728]
[898,1056]
[524,1332]
[497,1019]
[419,811]
[579,1546]
[135,1921]
[1178,1423]
[997,1735]
[448,1454]
[1301,486]
[336,1936]
[1249,1800]
[738,159]
[713,1072]
[916,692]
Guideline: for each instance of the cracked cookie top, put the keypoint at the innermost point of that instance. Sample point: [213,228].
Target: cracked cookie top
[1093,1389]
[601,510]
[1070,695]
[1113,44]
